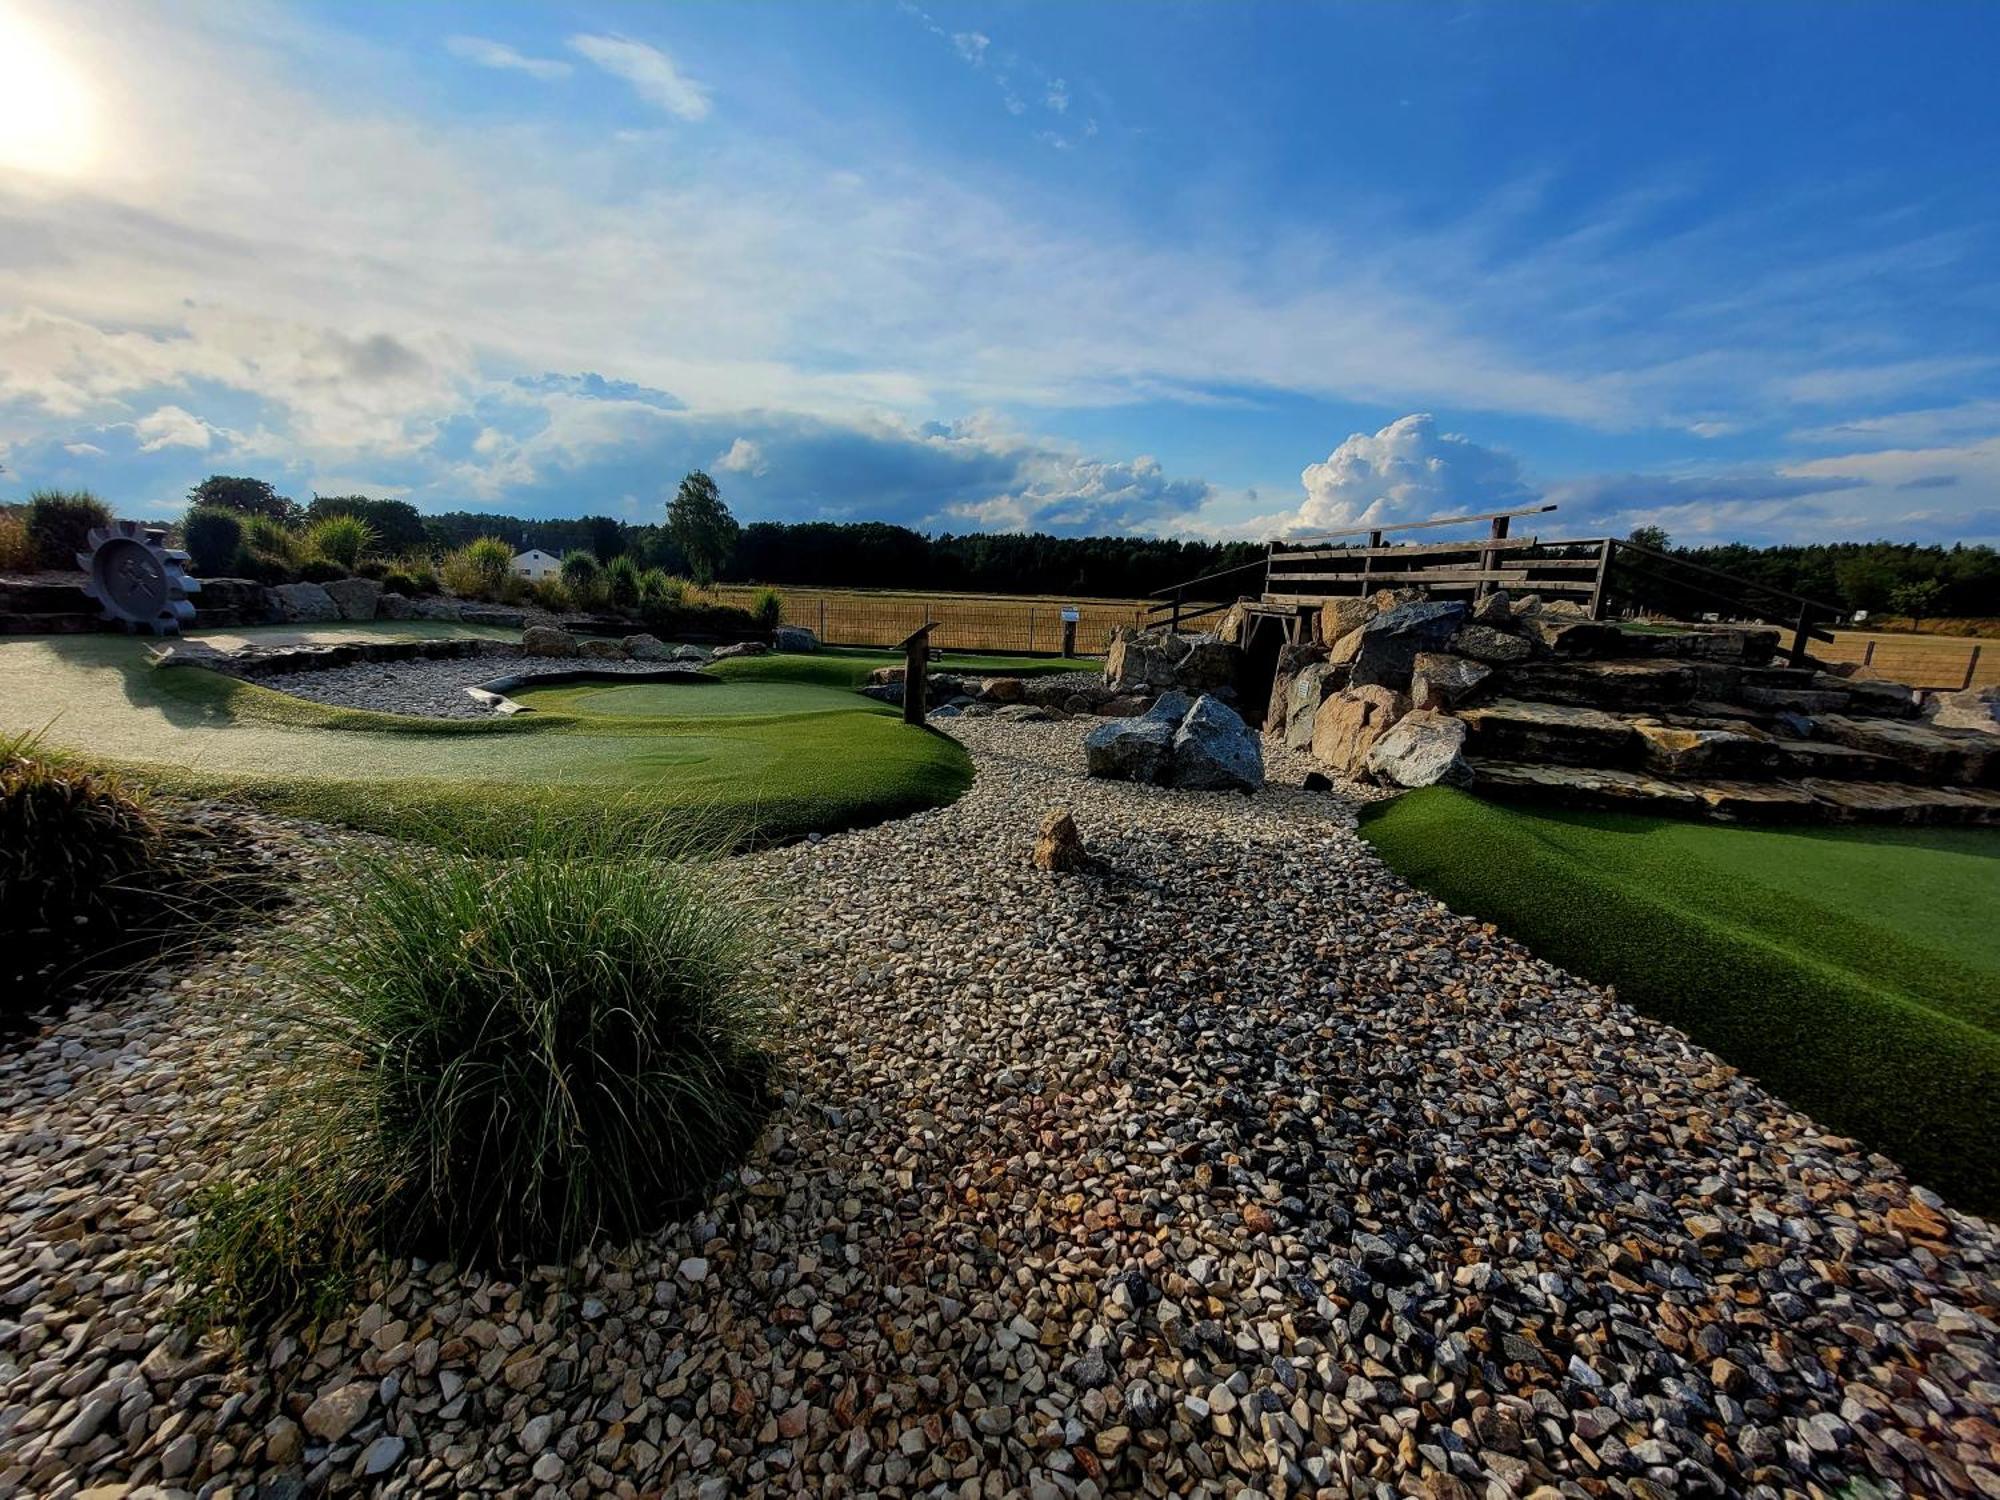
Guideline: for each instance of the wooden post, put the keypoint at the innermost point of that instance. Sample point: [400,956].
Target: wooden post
[916,666]
[1175,624]
[1069,637]
[1971,668]
[1798,652]
[1599,579]
[1498,532]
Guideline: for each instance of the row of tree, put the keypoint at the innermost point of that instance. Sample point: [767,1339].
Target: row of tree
[699,538]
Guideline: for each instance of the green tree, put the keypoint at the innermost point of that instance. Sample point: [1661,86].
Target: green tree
[702,526]
[1916,599]
[1654,537]
[249,497]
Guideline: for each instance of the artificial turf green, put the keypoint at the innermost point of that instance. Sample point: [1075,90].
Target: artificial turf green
[750,698]
[850,669]
[751,778]
[1855,972]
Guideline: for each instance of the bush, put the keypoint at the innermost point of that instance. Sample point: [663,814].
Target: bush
[270,551]
[768,608]
[583,579]
[419,570]
[320,570]
[498,1060]
[338,538]
[74,847]
[17,552]
[396,581]
[679,616]
[480,570]
[59,525]
[550,594]
[621,582]
[213,538]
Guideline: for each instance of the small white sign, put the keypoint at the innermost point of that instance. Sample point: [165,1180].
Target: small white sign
[1071,614]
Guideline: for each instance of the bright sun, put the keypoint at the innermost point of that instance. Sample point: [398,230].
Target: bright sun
[46,115]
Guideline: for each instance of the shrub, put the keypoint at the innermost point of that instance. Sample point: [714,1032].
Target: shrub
[213,538]
[681,616]
[59,525]
[396,581]
[621,582]
[480,569]
[321,570]
[420,571]
[549,593]
[270,551]
[768,608]
[340,538]
[74,846]
[497,1060]
[17,552]
[657,586]
[583,579]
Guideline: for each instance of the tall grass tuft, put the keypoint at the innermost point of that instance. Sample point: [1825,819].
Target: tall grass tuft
[76,846]
[341,539]
[621,581]
[497,1059]
[482,569]
[17,551]
[59,524]
[583,579]
[768,608]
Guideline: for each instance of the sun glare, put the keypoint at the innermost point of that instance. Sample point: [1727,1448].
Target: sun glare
[46,114]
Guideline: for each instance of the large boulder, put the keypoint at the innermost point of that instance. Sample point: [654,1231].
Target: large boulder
[1308,689]
[547,640]
[1493,609]
[1141,659]
[1130,749]
[355,598]
[1170,707]
[1975,708]
[1391,642]
[1421,749]
[1215,751]
[1235,624]
[1002,690]
[643,647]
[795,638]
[740,648]
[1210,666]
[1339,616]
[1490,644]
[1292,659]
[434,609]
[1563,633]
[1350,722]
[1060,845]
[486,614]
[304,603]
[1441,681]
[395,607]
[597,648]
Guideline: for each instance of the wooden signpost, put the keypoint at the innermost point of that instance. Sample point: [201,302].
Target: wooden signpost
[916,663]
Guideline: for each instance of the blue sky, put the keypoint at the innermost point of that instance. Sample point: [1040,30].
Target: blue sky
[1199,269]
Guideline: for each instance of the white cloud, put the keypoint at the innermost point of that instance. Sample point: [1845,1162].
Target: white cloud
[485,53]
[83,450]
[971,46]
[1409,471]
[1057,97]
[742,457]
[172,427]
[652,73]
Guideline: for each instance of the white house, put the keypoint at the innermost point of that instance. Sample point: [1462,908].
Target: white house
[535,565]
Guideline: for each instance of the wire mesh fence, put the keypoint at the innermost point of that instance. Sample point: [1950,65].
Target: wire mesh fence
[964,622]
[1917,660]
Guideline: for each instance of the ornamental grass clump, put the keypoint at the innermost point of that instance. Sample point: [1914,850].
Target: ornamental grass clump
[496,1060]
[78,850]
[482,569]
[341,539]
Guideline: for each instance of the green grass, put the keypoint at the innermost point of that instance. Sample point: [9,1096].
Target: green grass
[750,698]
[1856,973]
[768,775]
[850,669]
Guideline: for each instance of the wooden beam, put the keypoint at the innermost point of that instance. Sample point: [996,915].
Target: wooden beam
[1484,515]
[1322,597]
[1466,574]
[1407,549]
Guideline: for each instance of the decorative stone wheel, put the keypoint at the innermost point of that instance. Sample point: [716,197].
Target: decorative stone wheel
[137,578]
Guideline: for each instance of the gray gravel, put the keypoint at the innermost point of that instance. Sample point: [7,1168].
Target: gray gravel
[431,689]
[1233,1168]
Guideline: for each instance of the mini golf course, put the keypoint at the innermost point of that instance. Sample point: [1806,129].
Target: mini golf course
[1854,972]
[786,749]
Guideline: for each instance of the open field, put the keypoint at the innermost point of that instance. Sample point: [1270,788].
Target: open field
[1856,973]
[1925,661]
[966,622]
[759,774]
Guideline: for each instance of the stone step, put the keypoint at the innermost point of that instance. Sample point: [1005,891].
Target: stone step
[1804,800]
[80,622]
[44,597]
[1953,757]
[1664,684]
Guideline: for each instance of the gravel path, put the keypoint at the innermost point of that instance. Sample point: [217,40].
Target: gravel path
[433,689]
[1236,1168]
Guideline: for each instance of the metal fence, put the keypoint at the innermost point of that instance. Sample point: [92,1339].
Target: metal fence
[1920,661]
[964,622]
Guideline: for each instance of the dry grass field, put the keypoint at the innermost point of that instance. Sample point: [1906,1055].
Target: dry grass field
[965,622]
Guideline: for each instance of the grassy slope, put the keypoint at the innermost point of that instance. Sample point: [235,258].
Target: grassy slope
[763,776]
[1856,973]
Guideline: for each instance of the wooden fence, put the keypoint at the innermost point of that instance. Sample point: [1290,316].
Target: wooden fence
[1921,661]
[964,622]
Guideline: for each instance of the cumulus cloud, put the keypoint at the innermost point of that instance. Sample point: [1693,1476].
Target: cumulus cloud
[485,53]
[742,457]
[594,387]
[172,427]
[652,74]
[1408,471]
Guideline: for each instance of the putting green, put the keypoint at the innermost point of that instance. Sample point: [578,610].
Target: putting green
[771,773]
[695,700]
[1856,972]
